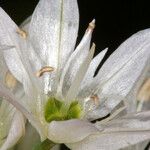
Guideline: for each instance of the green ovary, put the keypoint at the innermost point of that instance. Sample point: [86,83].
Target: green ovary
[57,110]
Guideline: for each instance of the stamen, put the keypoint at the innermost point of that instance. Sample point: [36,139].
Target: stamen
[10,80]
[44,70]
[22,33]
[91,25]
[144,93]
[95,98]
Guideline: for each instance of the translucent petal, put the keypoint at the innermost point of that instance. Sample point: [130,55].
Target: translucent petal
[74,88]
[121,60]
[16,131]
[35,61]
[119,133]
[122,70]
[53,30]
[14,57]
[70,131]
[6,116]
[123,82]
[131,48]
[125,79]
[9,97]
[54,37]
[93,66]
[74,62]
[89,76]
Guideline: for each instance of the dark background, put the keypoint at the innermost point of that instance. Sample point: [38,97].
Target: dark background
[116,20]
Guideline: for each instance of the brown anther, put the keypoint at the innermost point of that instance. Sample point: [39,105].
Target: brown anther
[144,92]
[22,33]
[44,70]
[95,98]
[91,26]
[10,80]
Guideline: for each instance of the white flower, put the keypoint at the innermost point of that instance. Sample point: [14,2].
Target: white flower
[54,87]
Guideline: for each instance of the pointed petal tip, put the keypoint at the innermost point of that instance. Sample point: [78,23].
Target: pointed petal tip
[93,45]
[93,48]
[92,25]
[105,50]
[93,21]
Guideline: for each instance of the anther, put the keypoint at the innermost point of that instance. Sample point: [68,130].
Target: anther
[95,98]
[91,25]
[10,80]
[144,92]
[44,70]
[22,33]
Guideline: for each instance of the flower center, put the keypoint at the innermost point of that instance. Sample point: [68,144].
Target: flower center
[57,110]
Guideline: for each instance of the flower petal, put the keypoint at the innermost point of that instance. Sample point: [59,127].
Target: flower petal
[124,58]
[70,131]
[35,61]
[4,92]
[16,131]
[74,62]
[53,32]
[130,49]
[122,70]
[124,80]
[93,66]
[74,88]
[15,58]
[89,76]
[119,133]
[6,115]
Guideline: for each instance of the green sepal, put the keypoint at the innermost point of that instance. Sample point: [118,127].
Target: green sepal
[45,145]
